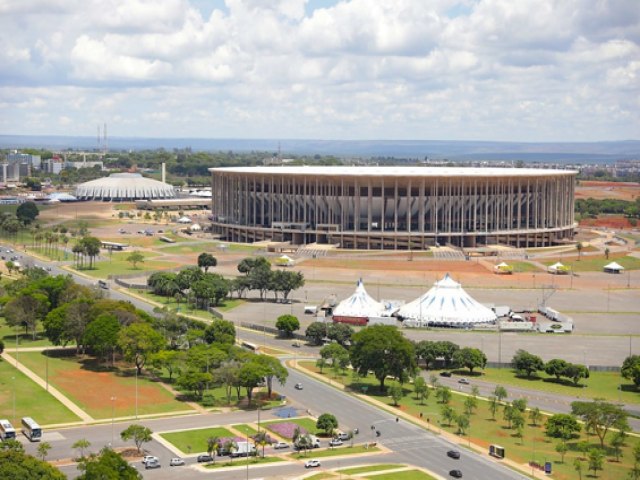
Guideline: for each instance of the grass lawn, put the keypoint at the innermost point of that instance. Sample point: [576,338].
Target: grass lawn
[245,429]
[334,452]
[272,351]
[242,462]
[187,247]
[590,264]
[91,386]
[370,468]
[193,441]
[523,267]
[119,265]
[172,305]
[8,336]
[484,431]
[31,400]
[598,385]
[321,476]
[307,423]
[404,475]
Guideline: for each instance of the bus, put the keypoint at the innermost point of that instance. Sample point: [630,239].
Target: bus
[7,431]
[31,429]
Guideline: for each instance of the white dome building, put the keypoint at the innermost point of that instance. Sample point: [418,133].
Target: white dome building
[446,305]
[119,187]
[358,307]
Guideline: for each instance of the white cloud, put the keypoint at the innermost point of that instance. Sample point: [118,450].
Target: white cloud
[486,69]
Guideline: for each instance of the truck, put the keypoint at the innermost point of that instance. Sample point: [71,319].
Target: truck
[314,442]
[245,449]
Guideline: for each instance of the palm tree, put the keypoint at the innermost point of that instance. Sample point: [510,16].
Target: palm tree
[213,443]
[261,439]
[579,247]
[606,253]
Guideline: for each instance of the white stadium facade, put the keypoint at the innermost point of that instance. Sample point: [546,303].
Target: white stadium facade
[123,187]
[394,207]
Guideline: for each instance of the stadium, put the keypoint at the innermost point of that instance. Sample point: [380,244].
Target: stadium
[394,207]
[121,187]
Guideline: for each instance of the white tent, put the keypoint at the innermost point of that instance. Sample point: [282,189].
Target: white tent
[503,268]
[446,304]
[359,305]
[613,267]
[184,220]
[558,268]
[195,227]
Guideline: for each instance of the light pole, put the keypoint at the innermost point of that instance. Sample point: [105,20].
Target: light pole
[14,400]
[136,392]
[113,409]
[46,367]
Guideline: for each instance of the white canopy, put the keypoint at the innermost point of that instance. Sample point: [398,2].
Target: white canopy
[195,227]
[446,303]
[502,265]
[184,220]
[360,304]
[613,267]
[285,260]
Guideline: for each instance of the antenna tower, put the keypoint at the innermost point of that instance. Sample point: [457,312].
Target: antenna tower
[98,145]
[105,144]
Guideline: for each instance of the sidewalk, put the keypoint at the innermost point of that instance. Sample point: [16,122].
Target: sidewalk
[51,389]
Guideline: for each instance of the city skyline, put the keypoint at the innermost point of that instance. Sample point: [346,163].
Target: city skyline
[485,70]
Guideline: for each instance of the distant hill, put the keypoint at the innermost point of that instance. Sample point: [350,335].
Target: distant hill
[596,152]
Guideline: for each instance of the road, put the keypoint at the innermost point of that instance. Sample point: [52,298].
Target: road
[408,443]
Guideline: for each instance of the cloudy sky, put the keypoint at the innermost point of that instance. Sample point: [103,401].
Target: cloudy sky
[522,70]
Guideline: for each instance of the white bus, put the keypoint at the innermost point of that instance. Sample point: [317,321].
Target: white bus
[7,431]
[31,429]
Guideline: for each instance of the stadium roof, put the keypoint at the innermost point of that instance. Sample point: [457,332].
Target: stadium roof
[124,186]
[395,171]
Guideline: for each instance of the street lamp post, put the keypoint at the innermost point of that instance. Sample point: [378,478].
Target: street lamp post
[14,400]
[113,409]
[136,392]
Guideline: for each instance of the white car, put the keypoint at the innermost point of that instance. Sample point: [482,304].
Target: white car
[464,381]
[298,386]
[176,462]
[343,436]
[279,445]
[150,458]
[335,442]
[312,463]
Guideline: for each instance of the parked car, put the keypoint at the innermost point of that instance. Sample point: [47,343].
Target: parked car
[453,454]
[279,445]
[312,463]
[335,442]
[151,464]
[205,457]
[176,462]
[298,386]
[456,473]
[149,458]
[344,435]
[445,374]
[464,381]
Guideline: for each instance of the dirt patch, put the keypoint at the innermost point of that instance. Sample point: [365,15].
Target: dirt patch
[607,221]
[601,190]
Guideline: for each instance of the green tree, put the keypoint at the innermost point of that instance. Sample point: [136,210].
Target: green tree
[599,416]
[101,334]
[428,352]
[383,350]
[27,212]
[327,422]
[462,421]
[576,372]
[315,332]
[15,464]
[261,439]
[448,414]
[443,394]
[446,350]
[220,331]
[556,367]
[579,248]
[527,363]
[493,406]
[107,465]
[421,389]
[535,416]
[26,310]
[562,425]
[213,444]
[285,281]
[617,442]
[397,392]
[631,369]
[249,376]
[138,433]
[577,466]
[287,324]
[43,450]
[134,258]
[81,445]
[138,341]
[272,369]
[206,261]
[596,460]
[170,360]
[470,404]
[340,332]
[562,448]
[321,363]
[470,358]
